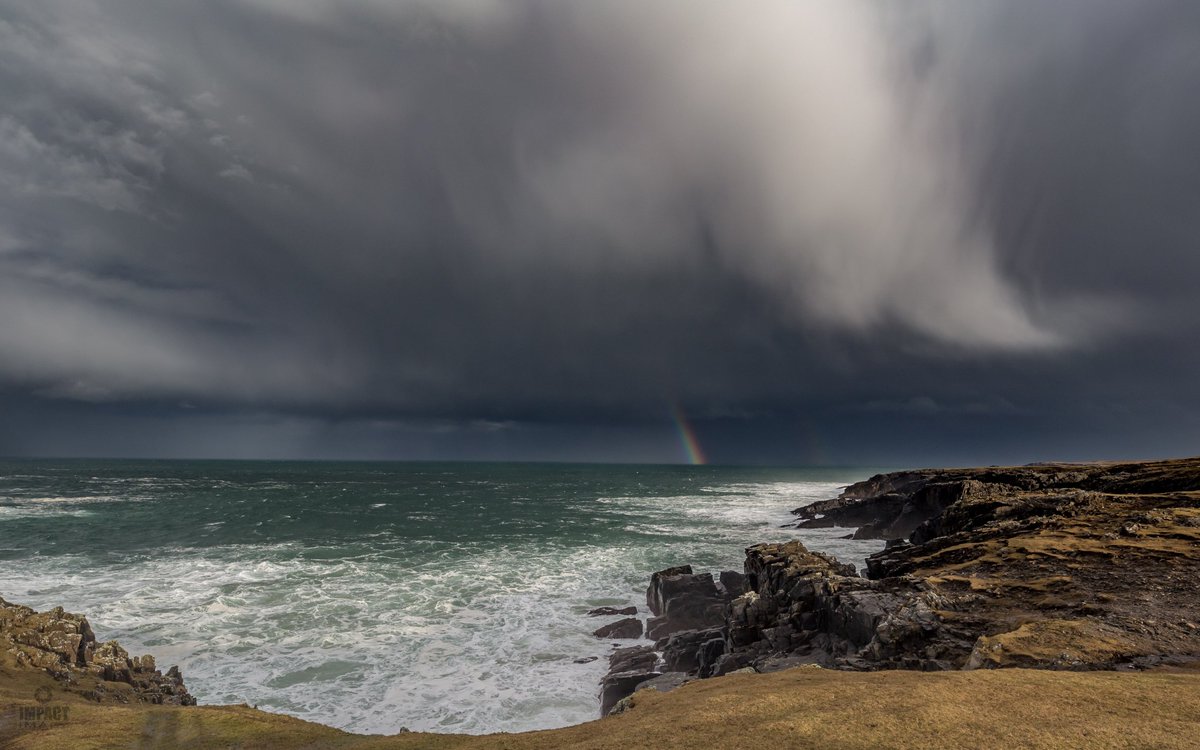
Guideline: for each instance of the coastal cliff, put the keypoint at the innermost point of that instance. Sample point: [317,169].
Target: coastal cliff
[1075,571]
[1078,567]
[62,646]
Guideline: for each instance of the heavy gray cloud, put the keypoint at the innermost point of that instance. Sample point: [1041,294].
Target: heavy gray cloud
[881,224]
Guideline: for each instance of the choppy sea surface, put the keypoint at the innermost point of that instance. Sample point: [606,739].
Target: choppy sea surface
[374,596]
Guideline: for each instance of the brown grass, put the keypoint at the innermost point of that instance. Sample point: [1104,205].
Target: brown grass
[799,708]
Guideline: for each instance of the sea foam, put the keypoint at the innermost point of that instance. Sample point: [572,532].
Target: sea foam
[410,611]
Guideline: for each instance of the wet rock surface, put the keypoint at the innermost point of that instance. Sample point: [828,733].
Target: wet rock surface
[627,669]
[630,627]
[682,600]
[681,650]
[63,645]
[611,611]
[1056,566]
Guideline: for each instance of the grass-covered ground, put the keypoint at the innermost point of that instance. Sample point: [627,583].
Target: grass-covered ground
[799,708]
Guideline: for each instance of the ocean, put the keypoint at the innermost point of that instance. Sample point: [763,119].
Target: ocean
[374,596]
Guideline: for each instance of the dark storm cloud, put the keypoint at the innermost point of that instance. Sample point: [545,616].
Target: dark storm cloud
[840,226]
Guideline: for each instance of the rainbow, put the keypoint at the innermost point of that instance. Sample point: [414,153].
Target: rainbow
[687,436]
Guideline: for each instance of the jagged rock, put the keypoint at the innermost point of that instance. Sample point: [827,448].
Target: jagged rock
[733,582]
[728,663]
[707,656]
[616,686]
[111,662]
[654,598]
[681,651]
[682,600]
[632,658]
[611,611]
[63,644]
[675,583]
[1050,566]
[627,668]
[630,627]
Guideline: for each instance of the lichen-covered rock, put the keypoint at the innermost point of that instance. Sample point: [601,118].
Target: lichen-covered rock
[1050,566]
[1059,566]
[63,644]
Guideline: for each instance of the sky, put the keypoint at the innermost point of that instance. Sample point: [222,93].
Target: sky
[837,232]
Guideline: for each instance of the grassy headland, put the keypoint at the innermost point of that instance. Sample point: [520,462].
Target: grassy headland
[797,708]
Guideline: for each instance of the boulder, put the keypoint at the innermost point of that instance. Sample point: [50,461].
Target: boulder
[630,627]
[728,663]
[632,658]
[611,611]
[111,662]
[618,685]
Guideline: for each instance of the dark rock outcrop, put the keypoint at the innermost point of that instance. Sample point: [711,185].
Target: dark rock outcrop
[627,669]
[630,627]
[63,645]
[732,583]
[681,650]
[1050,566]
[611,611]
[683,600]
[619,685]
[665,681]
[1060,566]
[654,594]
[633,658]
[811,608]
[892,506]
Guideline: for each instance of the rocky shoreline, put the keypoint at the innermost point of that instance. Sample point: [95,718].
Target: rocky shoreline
[64,646]
[1055,566]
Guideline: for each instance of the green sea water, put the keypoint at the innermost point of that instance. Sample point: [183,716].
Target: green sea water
[374,596]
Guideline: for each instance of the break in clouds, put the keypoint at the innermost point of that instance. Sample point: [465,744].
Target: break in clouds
[479,209]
